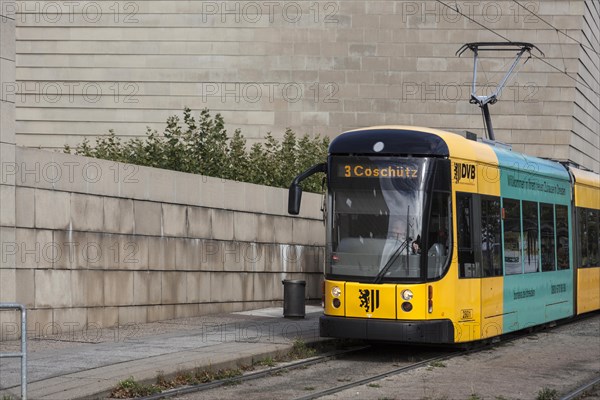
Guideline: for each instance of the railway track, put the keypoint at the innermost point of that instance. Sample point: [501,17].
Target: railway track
[188,390]
[373,378]
[417,359]
[252,375]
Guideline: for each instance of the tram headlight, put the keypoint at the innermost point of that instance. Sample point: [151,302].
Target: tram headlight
[406,294]
[336,291]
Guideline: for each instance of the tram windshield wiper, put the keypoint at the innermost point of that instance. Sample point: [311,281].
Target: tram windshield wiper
[391,261]
[397,252]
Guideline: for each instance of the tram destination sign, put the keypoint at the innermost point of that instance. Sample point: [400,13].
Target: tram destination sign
[388,173]
[367,170]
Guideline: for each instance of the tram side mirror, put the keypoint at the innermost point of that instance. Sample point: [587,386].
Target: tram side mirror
[294,199]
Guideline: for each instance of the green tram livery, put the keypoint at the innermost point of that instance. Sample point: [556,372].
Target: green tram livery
[436,238]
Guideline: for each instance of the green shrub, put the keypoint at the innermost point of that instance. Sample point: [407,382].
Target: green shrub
[202,146]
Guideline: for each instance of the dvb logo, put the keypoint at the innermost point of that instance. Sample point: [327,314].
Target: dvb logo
[463,171]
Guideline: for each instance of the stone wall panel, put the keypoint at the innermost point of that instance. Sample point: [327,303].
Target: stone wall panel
[87,260]
[356,51]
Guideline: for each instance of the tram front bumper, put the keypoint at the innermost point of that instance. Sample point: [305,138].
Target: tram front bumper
[436,331]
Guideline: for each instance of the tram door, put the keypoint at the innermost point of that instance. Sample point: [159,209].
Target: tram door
[489,236]
[480,256]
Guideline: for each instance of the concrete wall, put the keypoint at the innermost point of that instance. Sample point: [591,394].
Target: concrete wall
[315,66]
[102,243]
[586,116]
[7,155]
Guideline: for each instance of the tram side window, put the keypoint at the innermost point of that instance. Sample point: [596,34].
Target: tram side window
[464,221]
[588,237]
[438,239]
[562,237]
[593,238]
[512,237]
[491,245]
[531,253]
[547,237]
[582,237]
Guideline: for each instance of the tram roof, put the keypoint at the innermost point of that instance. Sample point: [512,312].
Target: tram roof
[419,141]
[583,177]
[395,140]
[587,188]
[529,164]
[411,140]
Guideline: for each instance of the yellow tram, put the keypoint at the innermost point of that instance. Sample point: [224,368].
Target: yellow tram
[433,237]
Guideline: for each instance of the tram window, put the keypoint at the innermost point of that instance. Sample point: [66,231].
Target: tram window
[547,237]
[562,237]
[438,239]
[592,238]
[464,222]
[491,245]
[512,237]
[463,206]
[582,238]
[531,253]
[588,249]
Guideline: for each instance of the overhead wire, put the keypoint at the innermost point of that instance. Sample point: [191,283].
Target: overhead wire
[555,28]
[457,10]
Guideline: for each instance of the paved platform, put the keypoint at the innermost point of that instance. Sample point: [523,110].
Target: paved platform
[74,365]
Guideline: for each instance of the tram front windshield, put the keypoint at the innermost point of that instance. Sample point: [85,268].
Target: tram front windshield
[380,229]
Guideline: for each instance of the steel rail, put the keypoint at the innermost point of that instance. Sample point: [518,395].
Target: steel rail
[580,390]
[250,376]
[377,377]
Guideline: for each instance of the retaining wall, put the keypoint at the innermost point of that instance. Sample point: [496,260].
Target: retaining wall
[103,243]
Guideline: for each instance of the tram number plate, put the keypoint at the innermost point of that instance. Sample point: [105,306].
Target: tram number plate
[466,314]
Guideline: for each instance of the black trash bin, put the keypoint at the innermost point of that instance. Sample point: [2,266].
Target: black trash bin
[293,298]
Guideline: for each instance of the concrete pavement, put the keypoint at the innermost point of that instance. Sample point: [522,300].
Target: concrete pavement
[89,364]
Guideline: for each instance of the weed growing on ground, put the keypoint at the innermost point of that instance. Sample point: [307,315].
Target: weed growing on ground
[129,388]
[281,372]
[301,350]
[547,394]
[266,362]
[205,376]
[437,364]
[373,385]
[474,396]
